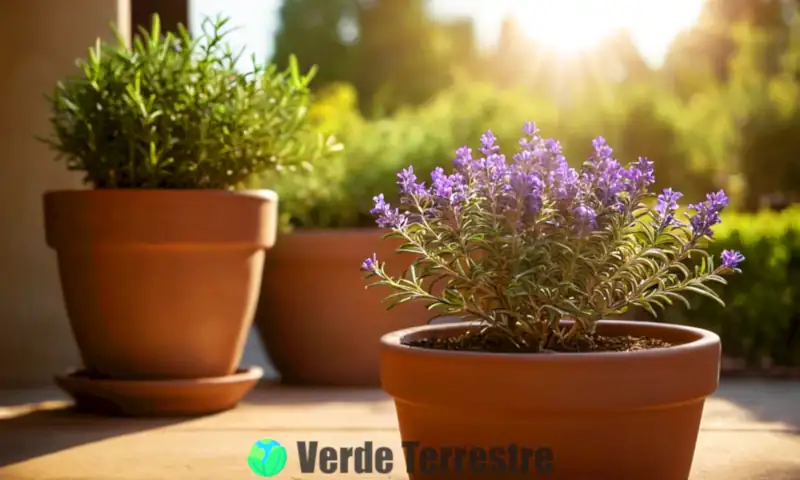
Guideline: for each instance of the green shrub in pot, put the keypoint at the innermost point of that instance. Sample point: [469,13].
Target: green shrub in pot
[160,260]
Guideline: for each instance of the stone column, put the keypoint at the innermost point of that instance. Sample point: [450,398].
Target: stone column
[39,43]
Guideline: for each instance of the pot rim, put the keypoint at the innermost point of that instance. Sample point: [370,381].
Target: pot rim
[705,339]
[261,193]
[160,218]
[345,231]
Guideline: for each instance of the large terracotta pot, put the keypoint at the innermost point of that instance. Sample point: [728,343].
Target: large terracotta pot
[160,284]
[599,416]
[318,322]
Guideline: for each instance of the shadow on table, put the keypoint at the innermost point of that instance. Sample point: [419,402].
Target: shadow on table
[779,472]
[46,429]
[767,400]
[273,393]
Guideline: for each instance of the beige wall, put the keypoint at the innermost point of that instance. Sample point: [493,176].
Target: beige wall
[39,43]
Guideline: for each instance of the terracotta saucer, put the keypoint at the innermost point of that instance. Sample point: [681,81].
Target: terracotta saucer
[157,398]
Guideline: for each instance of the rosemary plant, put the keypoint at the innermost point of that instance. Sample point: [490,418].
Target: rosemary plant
[176,111]
[521,245]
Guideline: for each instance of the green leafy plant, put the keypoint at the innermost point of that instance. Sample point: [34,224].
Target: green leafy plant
[175,112]
[522,245]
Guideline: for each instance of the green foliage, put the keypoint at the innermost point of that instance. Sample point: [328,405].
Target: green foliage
[174,112]
[762,318]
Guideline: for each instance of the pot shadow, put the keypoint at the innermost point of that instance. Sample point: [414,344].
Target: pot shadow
[39,429]
[767,400]
[272,392]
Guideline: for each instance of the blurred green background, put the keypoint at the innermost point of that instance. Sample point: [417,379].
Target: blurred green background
[401,87]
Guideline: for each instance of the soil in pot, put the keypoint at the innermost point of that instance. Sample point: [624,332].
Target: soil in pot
[478,340]
[319,323]
[597,415]
[160,284]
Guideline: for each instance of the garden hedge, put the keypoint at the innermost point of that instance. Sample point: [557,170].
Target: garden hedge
[762,317]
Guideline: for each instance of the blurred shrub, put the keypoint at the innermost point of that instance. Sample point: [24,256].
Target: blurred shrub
[762,318]
[302,197]
[340,193]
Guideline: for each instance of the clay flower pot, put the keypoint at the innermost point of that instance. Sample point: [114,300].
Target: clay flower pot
[318,321]
[632,415]
[160,284]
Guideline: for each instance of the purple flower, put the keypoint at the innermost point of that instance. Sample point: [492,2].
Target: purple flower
[639,176]
[487,143]
[731,258]
[385,216]
[708,214]
[586,218]
[524,158]
[565,182]
[463,159]
[552,155]
[448,189]
[489,176]
[407,181]
[609,182]
[604,176]
[524,192]
[530,129]
[370,264]
[666,206]
[601,149]
[531,140]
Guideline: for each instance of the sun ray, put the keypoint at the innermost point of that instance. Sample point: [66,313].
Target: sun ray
[570,27]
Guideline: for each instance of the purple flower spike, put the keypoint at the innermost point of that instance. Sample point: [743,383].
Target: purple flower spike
[586,217]
[487,143]
[609,182]
[530,129]
[708,214]
[601,149]
[448,189]
[385,216]
[531,140]
[524,192]
[666,206]
[565,182]
[639,176]
[370,264]
[731,258]
[407,181]
[463,159]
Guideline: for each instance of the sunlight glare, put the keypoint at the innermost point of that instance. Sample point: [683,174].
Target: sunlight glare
[572,26]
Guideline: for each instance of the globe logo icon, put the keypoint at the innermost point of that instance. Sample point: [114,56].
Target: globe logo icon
[267,458]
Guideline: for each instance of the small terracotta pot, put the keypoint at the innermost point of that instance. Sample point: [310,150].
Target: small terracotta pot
[603,416]
[160,284]
[318,321]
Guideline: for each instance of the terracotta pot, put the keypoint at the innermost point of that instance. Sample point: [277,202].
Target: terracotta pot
[603,416]
[160,284]
[319,323]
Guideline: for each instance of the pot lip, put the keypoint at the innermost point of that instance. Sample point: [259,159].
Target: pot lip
[705,339]
[261,193]
[344,232]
